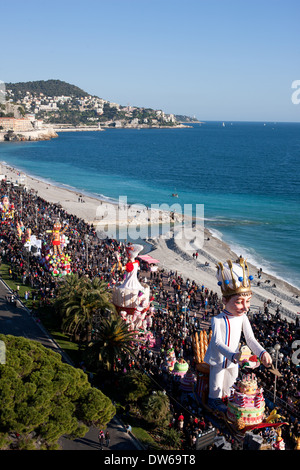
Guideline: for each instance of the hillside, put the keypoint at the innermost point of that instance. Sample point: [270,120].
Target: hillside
[48,88]
[61,104]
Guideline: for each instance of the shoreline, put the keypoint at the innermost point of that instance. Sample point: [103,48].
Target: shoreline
[127,127]
[35,135]
[174,251]
[49,132]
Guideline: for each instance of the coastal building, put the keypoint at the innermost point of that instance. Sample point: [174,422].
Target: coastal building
[113,105]
[16,125]
[48,107]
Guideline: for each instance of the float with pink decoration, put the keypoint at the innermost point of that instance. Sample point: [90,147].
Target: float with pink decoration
[131,297]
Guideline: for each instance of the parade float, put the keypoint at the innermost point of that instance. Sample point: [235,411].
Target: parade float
[226,384]
[131,298]
[200,343]
[170,360]
[180,368]
[32,243]
[188,382]
[54,259]
[7,210]
[245,405]
[130,295]
[20,229]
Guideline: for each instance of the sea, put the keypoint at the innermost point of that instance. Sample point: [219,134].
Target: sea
[245,175]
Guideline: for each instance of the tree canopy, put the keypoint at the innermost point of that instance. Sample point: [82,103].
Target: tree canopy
[47,87]
[43,397]
[78,300]
[114,341]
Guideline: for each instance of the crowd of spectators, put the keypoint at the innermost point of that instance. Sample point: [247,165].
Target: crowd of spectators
[173,326]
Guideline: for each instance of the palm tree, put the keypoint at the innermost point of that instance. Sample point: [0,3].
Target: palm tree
[66,290]
[135,385]
[157,409]
[79,299]
[172,437]
[115,340]
[99,289]
[78,311]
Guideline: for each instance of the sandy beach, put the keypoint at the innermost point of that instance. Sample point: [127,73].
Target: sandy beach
[174,249]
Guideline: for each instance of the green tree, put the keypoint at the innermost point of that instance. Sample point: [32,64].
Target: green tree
[157,409]
[135,385]
[115,341]
[78,299]
[171,437]
[66,290]
[42,398]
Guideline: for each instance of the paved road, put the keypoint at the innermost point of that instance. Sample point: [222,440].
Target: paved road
[17,321]
[119,439]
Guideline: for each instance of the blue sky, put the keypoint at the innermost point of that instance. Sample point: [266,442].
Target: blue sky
[215,59]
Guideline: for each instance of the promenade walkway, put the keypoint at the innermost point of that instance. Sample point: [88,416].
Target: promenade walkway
[120,440]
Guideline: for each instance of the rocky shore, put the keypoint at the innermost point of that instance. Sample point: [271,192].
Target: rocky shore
[50,133]
[34,135]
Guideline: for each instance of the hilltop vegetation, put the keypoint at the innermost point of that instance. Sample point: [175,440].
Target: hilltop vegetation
[48,88]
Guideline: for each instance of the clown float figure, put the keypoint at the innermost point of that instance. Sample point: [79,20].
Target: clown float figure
[130,297]
[58,262]
[57,233]
[223,353]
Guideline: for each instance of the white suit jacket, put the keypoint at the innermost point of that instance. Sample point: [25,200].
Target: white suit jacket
[226,336]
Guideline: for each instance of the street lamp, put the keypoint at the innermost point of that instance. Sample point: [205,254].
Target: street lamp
[185,304]
[277,348]
[36,218]
[86,238]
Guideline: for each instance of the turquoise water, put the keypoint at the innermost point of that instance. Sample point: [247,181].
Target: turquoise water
[245,174]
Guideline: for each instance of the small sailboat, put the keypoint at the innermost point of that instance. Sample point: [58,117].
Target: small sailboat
[223,125]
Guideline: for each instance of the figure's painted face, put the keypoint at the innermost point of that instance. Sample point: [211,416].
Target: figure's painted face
[237,304]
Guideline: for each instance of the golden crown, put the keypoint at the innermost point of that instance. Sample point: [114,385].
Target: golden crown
[233,278]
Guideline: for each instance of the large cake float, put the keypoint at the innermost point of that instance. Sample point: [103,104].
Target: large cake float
[180,368]
[246,404]
[188,382]
[131,296]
